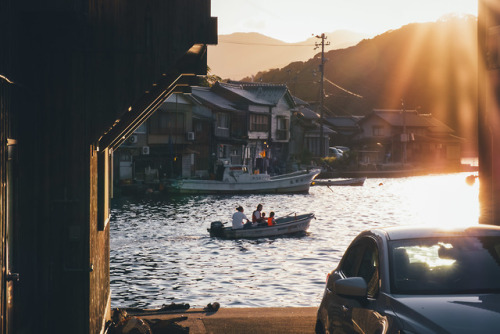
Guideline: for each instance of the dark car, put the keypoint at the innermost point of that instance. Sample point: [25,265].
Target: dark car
[415,280]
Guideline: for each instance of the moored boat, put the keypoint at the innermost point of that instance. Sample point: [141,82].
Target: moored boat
[343,182]
[236,179]
[290,224]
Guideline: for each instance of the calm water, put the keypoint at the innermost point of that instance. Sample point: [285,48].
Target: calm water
[161,251]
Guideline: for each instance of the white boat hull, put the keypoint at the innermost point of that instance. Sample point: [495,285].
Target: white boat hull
[298,182]
[346,182]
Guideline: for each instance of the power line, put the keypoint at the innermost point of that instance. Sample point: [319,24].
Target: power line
[343,89]
[266,44]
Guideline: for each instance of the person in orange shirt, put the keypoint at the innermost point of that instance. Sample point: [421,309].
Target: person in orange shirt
[270,219]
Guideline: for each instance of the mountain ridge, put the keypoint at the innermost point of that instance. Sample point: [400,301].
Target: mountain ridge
[243,54]
[421,65]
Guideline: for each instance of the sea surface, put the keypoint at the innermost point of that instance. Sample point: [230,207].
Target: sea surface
[161,251]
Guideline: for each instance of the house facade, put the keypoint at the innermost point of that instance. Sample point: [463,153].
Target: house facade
[406,136]
[267,109]
[263,127]
[306,133]
[345,127]
[237,123]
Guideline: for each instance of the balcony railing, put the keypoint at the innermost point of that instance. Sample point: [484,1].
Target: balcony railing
[259,127]
[222,132]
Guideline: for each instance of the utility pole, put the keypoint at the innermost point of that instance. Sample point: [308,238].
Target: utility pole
[322,93]
[404,136]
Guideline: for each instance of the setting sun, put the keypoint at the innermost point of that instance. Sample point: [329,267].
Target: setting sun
[452,202]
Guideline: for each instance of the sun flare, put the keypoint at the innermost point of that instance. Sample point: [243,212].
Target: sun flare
[454,203]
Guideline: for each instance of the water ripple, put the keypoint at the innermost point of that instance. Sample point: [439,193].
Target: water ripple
[161,251]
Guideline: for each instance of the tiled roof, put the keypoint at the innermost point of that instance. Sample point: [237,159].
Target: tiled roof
[411,118]
[438,126]
[259,93]
[205,95]
[300,102]
[343,121]
[326,130]
[308,113]
[396,118]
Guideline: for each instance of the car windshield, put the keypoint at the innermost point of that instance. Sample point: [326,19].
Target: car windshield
[455,265]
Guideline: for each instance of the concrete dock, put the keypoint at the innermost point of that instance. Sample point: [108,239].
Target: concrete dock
[295,320]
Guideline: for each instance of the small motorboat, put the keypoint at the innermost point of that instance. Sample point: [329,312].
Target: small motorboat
[343,182]
[290,224]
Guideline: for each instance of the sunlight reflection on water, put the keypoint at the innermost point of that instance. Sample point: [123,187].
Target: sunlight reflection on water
[161,251]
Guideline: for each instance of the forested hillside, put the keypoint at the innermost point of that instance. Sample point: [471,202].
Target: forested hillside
[432,67]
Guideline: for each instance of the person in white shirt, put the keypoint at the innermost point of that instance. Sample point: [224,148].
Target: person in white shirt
[238,218]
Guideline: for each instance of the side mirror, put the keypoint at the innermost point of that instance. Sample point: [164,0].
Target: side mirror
[351,287]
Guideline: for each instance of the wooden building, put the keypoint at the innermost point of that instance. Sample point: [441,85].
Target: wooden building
[239,123]
[77,77]
[489,111]
[397,136]
[307,139]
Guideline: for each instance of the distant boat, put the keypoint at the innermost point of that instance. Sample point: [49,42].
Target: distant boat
[344,182]
[236,179]
[287,225]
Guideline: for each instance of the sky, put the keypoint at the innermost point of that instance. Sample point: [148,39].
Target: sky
[296,20]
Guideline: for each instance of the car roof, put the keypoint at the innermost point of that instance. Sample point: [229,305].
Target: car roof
[415,232]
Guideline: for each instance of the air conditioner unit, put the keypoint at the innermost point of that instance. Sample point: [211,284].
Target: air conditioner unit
[132,139]
[190,136]
[145,150]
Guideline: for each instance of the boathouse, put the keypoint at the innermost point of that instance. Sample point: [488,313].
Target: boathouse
[77,78]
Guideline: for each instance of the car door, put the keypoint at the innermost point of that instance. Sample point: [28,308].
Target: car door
[358,315]
[366,315]
[335,303]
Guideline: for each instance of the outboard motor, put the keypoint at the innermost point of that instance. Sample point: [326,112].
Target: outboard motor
[216,229]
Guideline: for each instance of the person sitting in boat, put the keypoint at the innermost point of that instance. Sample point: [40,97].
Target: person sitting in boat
[270,220]
[238,218]
[263,219]
[257,216]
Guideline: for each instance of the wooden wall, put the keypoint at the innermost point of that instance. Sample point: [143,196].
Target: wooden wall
[489,111]
[79,66]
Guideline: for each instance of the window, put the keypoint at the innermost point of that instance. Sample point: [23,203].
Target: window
[362,261]
[222,120]
[167,122]
[125,157]
[198,127]
[446,265]
[141,129]
[351,261]
[378,130]
[282,123]
[259,122]
[369,269]
[282,128]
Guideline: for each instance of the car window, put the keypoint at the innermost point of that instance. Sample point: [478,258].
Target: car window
[351,260]
[445,265]
[369,269]
[361,260]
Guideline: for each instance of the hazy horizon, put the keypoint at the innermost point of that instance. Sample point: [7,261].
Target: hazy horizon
[292,22]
